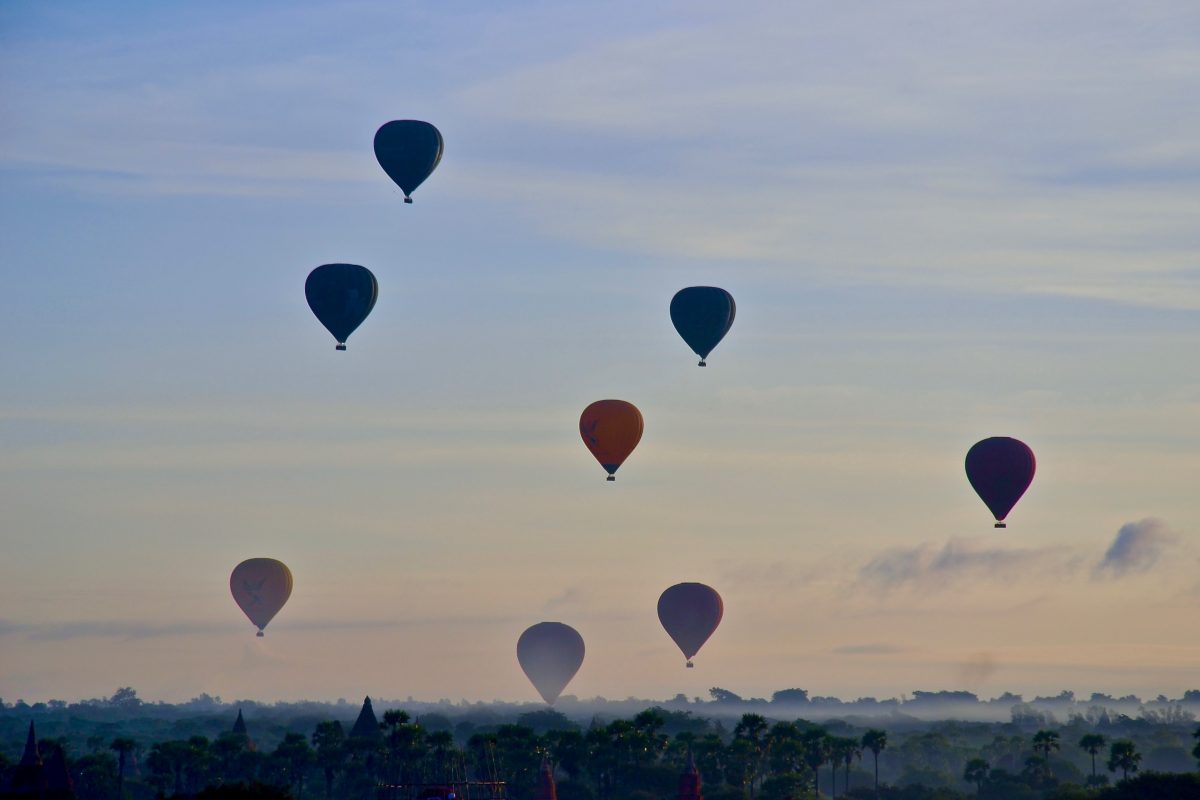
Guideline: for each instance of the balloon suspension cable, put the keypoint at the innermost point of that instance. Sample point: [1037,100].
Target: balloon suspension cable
[340,346]
[611,478]
[702,364]
[690,665]
[1001,525]
[408,199]
[259,634]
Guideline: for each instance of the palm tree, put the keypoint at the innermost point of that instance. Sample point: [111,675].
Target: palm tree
[976,772]
[293,756]
[875,741]
[1093,743]
[1123,755]
[850,751]
[841,750]
[816,751]
[1046,742]
[123,748]
[329,740]
[752,731]
[441,742]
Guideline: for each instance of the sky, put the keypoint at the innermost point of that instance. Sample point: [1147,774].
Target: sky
[941,221]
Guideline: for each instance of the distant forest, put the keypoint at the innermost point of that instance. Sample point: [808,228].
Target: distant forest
[930,746]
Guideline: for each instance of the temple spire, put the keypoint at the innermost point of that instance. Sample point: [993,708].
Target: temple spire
[546,788]
[28,776]
[689,781]
[367,725]
[31,757]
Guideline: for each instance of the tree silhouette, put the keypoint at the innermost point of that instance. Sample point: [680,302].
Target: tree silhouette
[1123,755]
[976,772]
[1046,742]
[329,741]
[1196,749]
[293,757]
[816,752]
[750,739]
[123,747]
[1093,743]
[849,749]
[875,741]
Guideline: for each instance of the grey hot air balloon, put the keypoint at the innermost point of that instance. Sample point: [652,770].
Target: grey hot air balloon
[690,612]
[550,653]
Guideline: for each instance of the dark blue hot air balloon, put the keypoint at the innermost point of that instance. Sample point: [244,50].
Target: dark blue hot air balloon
[1000,469]
[341,295]
[408,150]
[702,315]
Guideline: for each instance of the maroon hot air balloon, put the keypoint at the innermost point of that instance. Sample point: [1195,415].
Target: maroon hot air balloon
[690,612]
[1000,469]
[550,653]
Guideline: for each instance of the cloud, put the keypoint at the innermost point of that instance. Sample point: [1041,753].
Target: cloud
[1136,549]
[79,629]
[977,669]
[929,567]
[870,649]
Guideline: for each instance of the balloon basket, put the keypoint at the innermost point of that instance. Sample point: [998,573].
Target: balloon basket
[690,665]
[340,347]
[408,200]
[611,478]
[259,634]
[1001,525]
[702,364]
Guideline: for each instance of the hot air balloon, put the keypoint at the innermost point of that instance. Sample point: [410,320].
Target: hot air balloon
[341,295]
[702,315]
[550,653]
[690,612]
[260,587]
[611,429]
[408,150]
[1000,469]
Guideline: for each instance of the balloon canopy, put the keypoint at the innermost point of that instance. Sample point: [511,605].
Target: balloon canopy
[341,296]
[260,587]
[690,613]
[408,150]
[702,315]
[611,429]
[550,653]
[1000,469]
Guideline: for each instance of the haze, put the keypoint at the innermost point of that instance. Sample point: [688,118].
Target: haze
[940,222]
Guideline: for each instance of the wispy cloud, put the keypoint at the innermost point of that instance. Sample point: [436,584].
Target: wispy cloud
[107,629]
[114,629]
[977,668]
[929,567]
[1137,547]
[869,649]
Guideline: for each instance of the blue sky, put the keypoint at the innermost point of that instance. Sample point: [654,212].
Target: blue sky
[941,221]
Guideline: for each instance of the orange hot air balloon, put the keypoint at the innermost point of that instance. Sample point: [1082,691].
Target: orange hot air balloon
[611,429]
[260,587]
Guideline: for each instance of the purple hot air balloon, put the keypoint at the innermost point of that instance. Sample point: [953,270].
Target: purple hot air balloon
[550,653]
[1000,469]
[690,612]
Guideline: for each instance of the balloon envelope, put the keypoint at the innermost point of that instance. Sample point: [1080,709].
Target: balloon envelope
[261,586]
[408,150]
[1000,469]
[341,296]
[702,315]
[550,653]
[690,612]
[611,429]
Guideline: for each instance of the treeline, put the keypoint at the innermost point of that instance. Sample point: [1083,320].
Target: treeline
[641,758]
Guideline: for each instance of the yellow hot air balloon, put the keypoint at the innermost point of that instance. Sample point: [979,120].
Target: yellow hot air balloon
[261,586]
